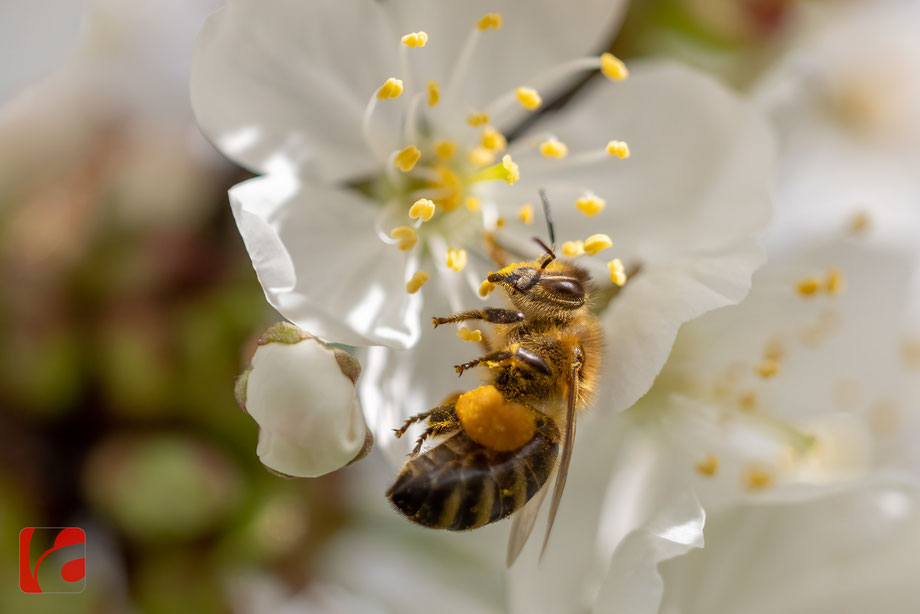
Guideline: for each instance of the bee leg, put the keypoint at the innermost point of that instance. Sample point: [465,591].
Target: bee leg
[440,420]
[493,315]
[527,358]
[496,356]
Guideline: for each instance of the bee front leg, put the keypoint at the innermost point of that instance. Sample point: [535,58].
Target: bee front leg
[493,315]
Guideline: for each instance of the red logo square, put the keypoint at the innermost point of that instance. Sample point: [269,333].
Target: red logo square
[52,560]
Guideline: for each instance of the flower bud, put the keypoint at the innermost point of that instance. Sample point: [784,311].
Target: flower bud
[301,392]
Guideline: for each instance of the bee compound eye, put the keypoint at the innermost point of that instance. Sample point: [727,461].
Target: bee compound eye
[567,289]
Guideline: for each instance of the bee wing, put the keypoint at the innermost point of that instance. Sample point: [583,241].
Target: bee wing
[522,524]
[566,457]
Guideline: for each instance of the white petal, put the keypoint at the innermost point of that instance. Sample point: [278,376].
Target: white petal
[321,264]
[850,551]
[687,206]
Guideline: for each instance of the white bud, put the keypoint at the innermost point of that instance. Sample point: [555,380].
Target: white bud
[301,392]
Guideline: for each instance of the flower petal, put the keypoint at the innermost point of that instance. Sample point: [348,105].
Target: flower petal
[320,265]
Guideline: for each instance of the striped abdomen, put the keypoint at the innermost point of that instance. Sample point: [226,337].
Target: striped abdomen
[459,484]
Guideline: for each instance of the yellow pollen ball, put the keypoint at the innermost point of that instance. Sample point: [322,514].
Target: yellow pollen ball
[529,98]
[613,67]
[434,93]
[835,283]
[480,156]
[757,478]
[494,422]
[596,243]
[456,259]
[415,39]
[422,209]
[492,139]
[391,88]
[573,248]
[486,288]
[406,237]
[406,159]
[808,286]
[768,368]
[418,280]
[469,335]
[489,20]
[709,466]
[554,149]
[472,203]
[479,118]
[445,149]
[618,148]
[513,173]
[617,272]
[525,213]
[590,205]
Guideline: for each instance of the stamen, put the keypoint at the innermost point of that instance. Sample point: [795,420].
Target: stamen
[618,148]
[469,335]
[506,170]
[479,118]
[859,224]
[493,140]
[757,478]
[573,248]
[415,39]
[525,213]
[406,159]
[490,20]
[449,181]
[480,156]
[485,288]
[422,209]
[835,283]
[768,368]
[418,280]
[406,237]
[434,93]
[391,88]
[617,272]
[590,205]
[709,466]
[748,401]
[808,286]
[445,149]
[456,259]
[472,203]
[500,222]
[410,133]
[613,68]
[553,148]
[529,98]
[596,243]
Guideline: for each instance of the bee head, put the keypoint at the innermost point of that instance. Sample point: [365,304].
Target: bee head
[543,285]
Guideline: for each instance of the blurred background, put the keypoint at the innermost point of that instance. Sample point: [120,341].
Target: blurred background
[129,305]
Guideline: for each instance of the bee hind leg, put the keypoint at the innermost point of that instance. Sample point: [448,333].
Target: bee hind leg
[441,420]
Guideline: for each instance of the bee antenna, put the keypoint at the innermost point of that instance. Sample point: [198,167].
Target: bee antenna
[551,251]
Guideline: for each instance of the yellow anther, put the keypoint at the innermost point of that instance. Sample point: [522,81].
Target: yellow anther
[492,139]
[391,88]
[525,213]
[480,118]
[406,237]
[808,286]
[500,222]
[618,148]
[445,149]
[422,209]
[590,205]
[768,368]
[506,170]
[406,159]
[469,335]
[617,272]
[434,93]
[748,400]
[596,243]
[490,20]
[449,182]
[757,478]
[480,156]
[418,280]
[485,288]
[472,203]
[859,224]
[512,172]
[415,39]
[554,149]
[835,283]
[456,259]
[709,466]
[573,248]
[529,98]
[613,67]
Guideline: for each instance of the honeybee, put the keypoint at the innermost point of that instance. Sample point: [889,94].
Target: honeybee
[543,363]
